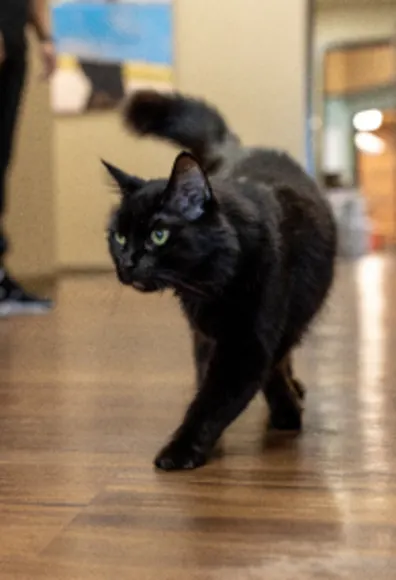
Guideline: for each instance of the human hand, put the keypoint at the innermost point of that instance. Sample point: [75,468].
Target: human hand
[48,58]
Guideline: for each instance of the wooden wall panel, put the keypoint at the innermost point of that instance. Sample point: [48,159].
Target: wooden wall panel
[352,70]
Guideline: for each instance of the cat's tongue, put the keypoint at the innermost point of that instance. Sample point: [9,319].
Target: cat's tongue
[139,286]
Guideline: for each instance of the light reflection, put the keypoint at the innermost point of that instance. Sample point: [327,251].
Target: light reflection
[369,143]
[371,343]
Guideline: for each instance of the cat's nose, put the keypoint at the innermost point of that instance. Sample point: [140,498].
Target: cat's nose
[128,260]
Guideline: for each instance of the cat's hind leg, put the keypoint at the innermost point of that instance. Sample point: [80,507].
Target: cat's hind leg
[284,395]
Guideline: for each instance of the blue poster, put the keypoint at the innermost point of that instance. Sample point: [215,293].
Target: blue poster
[115,32]
[107,48]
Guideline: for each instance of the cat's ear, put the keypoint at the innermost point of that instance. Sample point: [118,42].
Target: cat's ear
[188,189]
[127,183]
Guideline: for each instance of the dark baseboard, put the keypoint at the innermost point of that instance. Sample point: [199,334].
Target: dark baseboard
[42,285]
[45,285]
[87,271]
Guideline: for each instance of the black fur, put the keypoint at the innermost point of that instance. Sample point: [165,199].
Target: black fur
[189,123]
[250,256]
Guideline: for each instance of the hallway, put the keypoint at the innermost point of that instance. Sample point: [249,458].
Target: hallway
[90,393]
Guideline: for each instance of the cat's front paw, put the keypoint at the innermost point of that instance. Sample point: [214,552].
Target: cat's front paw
[180,454]
[286,421]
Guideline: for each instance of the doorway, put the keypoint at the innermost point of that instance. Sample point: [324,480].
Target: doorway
[376,176]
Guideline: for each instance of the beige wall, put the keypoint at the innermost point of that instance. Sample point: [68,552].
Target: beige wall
[354,23]
[84,198]
[247,56]
[31,216]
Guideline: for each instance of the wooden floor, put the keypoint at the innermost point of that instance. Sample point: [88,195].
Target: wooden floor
[89,394]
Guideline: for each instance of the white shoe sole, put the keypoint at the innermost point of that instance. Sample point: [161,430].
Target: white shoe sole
[18,309]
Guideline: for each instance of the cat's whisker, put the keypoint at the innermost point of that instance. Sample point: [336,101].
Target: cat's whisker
[177,281]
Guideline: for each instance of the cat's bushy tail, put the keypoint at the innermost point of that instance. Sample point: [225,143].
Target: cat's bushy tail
[187,122]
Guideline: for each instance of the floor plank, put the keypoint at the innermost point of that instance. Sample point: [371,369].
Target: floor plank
[89,393]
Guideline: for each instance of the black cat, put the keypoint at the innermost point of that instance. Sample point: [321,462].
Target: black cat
[247,243]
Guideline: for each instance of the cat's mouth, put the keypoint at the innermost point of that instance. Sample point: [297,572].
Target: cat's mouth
[146,286]
[128,278]
[149,286]
[139,286]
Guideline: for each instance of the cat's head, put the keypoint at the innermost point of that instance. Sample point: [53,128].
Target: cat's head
[171,233]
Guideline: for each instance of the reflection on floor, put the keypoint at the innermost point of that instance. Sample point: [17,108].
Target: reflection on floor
[88,394]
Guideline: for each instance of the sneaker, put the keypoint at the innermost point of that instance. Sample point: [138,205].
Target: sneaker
[14,300]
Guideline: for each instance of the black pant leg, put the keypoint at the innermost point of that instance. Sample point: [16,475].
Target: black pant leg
[12,76]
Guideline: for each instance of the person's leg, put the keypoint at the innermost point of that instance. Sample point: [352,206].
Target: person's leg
[12,76]
[10,91]
[13,299]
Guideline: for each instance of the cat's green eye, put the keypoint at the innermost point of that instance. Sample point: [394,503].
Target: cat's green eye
[160,237]
[121,240]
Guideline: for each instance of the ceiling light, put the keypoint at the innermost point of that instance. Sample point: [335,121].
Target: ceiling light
[369,120]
